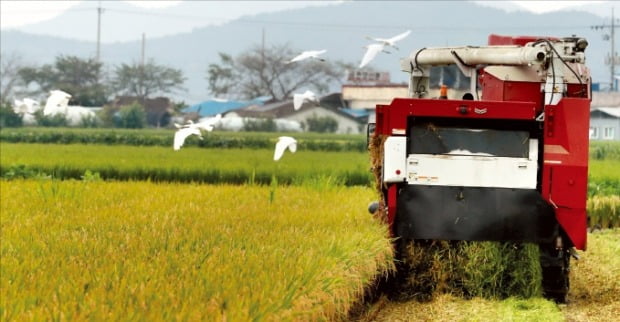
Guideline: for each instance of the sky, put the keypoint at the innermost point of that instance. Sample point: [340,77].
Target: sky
[15,14]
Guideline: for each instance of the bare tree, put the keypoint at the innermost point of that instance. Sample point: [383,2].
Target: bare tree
[10,80]
[266,72]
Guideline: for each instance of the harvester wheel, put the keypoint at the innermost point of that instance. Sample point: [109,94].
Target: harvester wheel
[555,264]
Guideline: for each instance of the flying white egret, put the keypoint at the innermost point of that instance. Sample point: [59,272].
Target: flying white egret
[182,134]
[299,99]
[283,143]
[188,124]
[309,54]
[207,123]
[391,41]
[371,52]
[193,128]
[210,123]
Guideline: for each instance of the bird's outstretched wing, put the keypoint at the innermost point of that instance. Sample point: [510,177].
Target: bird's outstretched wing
[298,100]
[299,57]
[210,123]
[371,53]
[283,143]
[308,54]
[182,134]
[399,37]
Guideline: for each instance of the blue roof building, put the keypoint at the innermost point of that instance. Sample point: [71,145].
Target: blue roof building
[217,106]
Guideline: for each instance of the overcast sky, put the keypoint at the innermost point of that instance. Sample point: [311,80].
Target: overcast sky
[14,14]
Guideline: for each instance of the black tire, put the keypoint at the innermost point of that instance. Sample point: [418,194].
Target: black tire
[555,264]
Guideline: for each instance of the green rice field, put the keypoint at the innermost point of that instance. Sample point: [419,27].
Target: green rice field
[188,164]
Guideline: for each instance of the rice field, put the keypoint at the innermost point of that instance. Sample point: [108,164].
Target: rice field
[122,162]
[94,250]
[156,163]
[164,137]
[288,241]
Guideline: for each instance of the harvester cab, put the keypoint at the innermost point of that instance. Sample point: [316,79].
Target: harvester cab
[504,158]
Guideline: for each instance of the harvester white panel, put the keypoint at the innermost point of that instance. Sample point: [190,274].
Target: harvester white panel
[395,159]
[474,170]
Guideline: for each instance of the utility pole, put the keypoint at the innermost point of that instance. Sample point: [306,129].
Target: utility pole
[99,12]
[142,64]
[143,44]
[262,55]
[613,57]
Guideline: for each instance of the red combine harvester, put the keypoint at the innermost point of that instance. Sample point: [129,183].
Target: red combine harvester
[506,160]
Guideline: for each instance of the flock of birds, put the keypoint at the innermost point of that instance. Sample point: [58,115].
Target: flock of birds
[287,142]
[191,128]
[372,50]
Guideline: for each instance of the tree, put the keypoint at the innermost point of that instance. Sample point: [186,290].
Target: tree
[76,76]
[259,125]
[144,81]
[132,116]
[258,72]
[8,118]
[55,120]
[322,124]
[9,76]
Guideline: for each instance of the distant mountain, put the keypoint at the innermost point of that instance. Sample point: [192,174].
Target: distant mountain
[599,8]
[341,29]
[123,21]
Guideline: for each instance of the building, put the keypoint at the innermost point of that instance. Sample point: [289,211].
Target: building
[605,123]
[357,96]
[309,111]
[158,110]
[219,106]
[367,88]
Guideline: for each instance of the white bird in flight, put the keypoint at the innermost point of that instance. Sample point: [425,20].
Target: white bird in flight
[192,128]
[371,52]
[391,41]
[309,54]
[283,143]
[182,134]
[299,99]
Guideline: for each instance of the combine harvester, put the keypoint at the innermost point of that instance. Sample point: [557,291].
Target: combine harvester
[506,161]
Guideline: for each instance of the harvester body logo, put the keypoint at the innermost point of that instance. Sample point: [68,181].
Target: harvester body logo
[480,110]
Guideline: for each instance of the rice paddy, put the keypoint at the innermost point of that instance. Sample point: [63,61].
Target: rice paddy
[76,250]
[238,166]
[288,241]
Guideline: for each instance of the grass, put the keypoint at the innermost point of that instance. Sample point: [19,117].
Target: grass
[164,137]
[168,133]
[595,285]
[604,211]
[595,280]
[448,307]
[93,250]
[187,165]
